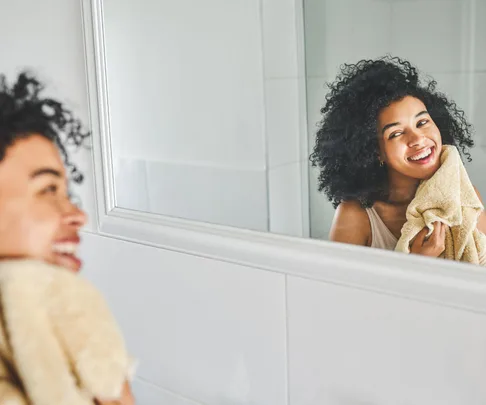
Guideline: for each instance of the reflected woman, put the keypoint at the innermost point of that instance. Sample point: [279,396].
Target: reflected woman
[382,133]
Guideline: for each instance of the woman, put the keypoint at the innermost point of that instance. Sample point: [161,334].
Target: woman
[381,134]
[37,217]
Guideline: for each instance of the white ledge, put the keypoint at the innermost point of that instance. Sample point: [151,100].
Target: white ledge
[437,281]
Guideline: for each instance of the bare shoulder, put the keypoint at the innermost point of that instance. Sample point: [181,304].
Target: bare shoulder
[477,193]
[481,226]
[351,224]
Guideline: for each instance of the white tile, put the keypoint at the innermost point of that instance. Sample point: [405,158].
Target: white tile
[192,79]
[285,198]
[348,346]
[149,394]
[458,88]
[130,177]
[344,31]
[480,36]
[303,118]
[282,117]
[315,34]
[432,35]
[220,195]
[208,330]
[316,93]
[321,210]
[479,117]
[477,167]
[279,38]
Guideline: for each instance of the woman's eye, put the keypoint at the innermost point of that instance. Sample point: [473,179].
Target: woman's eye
[394,135]
[52,189]
[422,123]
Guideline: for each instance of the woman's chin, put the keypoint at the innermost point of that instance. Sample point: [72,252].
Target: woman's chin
[69,262]
[426,174]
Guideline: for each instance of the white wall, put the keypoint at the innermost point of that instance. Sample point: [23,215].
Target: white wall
[217,333]
[206,118]
[448,46]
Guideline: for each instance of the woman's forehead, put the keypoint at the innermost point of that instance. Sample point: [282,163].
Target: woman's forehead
[31,154]
[405,106]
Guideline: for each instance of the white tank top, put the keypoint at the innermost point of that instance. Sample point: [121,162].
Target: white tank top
[381,236]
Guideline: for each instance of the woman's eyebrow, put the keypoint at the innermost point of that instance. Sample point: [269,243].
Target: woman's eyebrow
[421,113]
[392,124]
[45,171]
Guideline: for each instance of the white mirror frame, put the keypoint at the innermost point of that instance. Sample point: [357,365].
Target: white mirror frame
[432,280]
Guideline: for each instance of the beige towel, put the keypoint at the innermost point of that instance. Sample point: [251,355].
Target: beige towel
[59,343]
[448,197]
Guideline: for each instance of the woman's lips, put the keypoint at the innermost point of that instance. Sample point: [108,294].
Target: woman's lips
[65,252]
[68,261]
[425,160]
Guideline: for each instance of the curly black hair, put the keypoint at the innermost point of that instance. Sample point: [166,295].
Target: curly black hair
[346,149]
[24,112]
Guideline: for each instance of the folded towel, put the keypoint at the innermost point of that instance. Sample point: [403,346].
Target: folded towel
[448,197]
[59,343]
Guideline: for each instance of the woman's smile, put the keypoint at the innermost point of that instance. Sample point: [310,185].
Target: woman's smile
[423,157]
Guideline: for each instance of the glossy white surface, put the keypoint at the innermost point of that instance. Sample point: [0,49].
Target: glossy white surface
[149,394]
[282,121]
[350,347]
[209,114]
[208,330]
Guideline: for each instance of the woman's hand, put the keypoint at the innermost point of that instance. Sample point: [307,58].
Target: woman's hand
[126,398]
[432,246]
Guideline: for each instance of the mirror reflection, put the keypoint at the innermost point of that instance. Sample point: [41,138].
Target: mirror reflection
[388,150]
[384,149]
[380,126]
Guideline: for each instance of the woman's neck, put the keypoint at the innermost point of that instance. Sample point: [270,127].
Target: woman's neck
[401,189]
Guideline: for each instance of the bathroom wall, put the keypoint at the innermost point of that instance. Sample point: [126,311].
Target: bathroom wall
[215,119]
[444,38]
[216,333]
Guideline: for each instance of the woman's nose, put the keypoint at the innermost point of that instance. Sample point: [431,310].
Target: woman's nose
[74,216]
[416,138]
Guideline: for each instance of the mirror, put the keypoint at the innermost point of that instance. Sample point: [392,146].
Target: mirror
[445,40]
[214,112]
[195,112]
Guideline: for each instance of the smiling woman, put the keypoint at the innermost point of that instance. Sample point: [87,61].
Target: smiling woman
[39,221]
[37,218]
[380,137]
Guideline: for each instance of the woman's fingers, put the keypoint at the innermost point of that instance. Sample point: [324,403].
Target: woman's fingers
[437,239]
[419,239]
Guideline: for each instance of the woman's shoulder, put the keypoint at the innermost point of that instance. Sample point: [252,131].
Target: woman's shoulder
[351,224]
[351,207]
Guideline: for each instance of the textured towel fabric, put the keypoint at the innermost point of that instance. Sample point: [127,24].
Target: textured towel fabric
[448,197]
[59,343]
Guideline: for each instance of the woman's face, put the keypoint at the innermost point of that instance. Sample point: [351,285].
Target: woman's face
[410,142]
[37,218]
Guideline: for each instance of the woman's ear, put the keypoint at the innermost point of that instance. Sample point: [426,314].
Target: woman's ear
[381,159]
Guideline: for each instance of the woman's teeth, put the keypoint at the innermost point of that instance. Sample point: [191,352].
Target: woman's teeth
[65,248]
[422,155]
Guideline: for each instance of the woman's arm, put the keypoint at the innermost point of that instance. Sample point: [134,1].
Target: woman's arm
[351,225]
[482,217]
